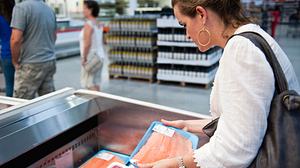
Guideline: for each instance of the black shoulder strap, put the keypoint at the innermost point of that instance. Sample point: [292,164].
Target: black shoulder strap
[262,44]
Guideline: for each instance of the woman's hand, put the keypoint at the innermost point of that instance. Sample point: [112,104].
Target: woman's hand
[166,163]
[194,126]
[181,124]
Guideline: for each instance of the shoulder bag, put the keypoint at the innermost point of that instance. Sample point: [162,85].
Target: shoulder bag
[93,63]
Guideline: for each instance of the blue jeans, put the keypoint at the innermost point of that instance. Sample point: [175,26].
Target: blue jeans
[9,75]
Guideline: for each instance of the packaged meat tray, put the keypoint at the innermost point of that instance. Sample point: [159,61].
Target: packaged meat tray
[162,142]
[105,159]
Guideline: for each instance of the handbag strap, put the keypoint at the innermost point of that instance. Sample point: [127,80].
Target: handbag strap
[262,44]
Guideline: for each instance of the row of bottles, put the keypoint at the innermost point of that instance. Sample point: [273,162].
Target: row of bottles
[187,53]
[140,41]
[132,70]
[115,69]
[172,34]
[140,55]
[187,71]
[181,73]
[138,23]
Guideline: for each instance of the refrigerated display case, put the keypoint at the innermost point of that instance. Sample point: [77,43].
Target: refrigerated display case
[6,102]
[68,127]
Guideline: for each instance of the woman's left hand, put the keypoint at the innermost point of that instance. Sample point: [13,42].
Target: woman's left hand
[166,163]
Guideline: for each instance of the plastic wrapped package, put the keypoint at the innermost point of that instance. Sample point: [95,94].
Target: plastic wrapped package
[105,159]
[162,142]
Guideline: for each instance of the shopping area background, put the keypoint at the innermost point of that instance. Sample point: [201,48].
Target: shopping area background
[152,58]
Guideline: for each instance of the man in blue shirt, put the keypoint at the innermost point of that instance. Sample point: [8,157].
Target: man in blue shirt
[6,8]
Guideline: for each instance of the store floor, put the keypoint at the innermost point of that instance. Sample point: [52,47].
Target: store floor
[194,99]
[187,98]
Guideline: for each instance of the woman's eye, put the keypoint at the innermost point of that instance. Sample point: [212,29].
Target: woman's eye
[182,24]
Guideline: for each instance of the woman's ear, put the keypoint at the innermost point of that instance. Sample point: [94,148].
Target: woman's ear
[202,13]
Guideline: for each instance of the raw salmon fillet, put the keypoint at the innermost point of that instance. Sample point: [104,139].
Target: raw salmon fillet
[100,163]
[160,147]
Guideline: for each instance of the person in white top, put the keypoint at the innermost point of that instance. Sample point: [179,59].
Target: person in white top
[243,88]
[91,45]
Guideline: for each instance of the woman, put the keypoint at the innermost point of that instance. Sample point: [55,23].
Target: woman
[243,86]
[6,8]
[91,47]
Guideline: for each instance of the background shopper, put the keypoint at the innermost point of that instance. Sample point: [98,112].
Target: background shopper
[6,8]
[91,47]
[33,48]
[294,20]
[275,20]
[243,87]
[265,19]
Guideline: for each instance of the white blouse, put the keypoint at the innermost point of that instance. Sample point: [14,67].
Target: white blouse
[241,96]
[96,40]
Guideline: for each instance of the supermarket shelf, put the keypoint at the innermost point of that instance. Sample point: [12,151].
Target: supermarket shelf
[139,62]
[201,78]
[133,46]
[195,80]
[168,23]
[112,59]
[129,76]
[133,61]
[133,31]
[207,63]
[177,44]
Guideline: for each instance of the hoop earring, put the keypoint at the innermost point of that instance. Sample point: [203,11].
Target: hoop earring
[209,35]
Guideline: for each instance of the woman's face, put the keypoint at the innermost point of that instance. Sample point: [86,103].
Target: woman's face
[193,26]
[86,11]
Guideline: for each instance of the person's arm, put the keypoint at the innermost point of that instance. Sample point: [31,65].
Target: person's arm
[18,25]
[87,41]
[15,44]
[188,162]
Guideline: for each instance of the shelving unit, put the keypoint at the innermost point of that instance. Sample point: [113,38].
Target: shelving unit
[179,59]
[288,8]
[133,49]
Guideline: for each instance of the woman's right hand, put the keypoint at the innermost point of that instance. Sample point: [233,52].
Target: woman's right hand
[194,126]
[181,124]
